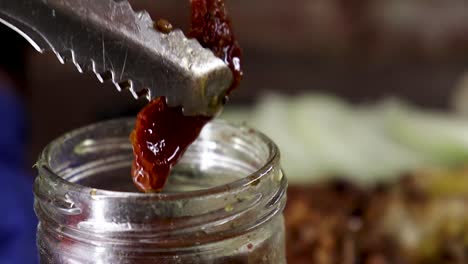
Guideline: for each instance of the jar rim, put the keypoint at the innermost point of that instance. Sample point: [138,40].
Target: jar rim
[44,167]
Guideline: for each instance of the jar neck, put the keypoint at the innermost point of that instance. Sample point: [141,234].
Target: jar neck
[175,219]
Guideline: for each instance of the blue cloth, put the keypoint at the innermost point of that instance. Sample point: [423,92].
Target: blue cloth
[17,221]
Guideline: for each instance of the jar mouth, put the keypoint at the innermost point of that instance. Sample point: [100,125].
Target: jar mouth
[243,187]
[47,170]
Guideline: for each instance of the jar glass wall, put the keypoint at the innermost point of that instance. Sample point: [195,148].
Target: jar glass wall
[223,202]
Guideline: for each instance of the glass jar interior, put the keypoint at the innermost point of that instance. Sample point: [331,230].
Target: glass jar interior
[102,158]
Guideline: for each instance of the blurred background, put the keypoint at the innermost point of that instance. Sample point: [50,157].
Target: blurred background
[361,50]
[357,51]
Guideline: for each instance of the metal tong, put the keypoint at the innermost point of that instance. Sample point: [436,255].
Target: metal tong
[118,44]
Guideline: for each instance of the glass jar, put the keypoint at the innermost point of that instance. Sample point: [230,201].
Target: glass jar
[223,202]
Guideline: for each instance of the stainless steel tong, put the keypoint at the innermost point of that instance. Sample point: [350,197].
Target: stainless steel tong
[118,44]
